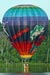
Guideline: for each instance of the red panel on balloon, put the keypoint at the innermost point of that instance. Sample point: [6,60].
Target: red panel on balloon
[20,33]
[38,42]
[23,47]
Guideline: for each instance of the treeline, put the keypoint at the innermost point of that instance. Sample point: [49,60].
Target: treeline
[1,28]
[49,28]
[9,54]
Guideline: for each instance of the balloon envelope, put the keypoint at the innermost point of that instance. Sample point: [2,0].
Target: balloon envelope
[26,27]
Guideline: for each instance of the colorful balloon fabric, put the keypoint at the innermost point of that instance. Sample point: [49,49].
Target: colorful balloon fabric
[26,27]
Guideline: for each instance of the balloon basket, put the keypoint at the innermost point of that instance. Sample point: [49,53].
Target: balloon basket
[26,68]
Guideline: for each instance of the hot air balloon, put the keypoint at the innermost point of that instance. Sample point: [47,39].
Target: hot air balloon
[26,27]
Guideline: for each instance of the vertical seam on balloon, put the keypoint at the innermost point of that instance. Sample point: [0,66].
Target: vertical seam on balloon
[41,15]
[21,25]
[30,17]
[11,19]
[26,26]
[12,23]
[28,33]
[24,12]
[8,27]
[8,20]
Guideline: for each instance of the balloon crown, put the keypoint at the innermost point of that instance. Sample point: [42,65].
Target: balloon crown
[25,6]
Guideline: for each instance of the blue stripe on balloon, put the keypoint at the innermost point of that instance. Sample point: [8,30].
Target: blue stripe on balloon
[22,12]
[34,18]
[29,20]
[42,12]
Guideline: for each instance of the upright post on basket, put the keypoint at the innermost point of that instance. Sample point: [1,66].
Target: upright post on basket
[26,67]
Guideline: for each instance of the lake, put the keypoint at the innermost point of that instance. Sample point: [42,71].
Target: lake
[25,74]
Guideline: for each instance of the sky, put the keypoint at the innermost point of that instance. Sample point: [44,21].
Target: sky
[6,4]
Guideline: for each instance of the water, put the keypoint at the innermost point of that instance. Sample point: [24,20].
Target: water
[25,74]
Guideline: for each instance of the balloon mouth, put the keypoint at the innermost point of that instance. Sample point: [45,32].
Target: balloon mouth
[26,56]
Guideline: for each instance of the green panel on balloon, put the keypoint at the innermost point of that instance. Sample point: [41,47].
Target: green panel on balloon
[38,29]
